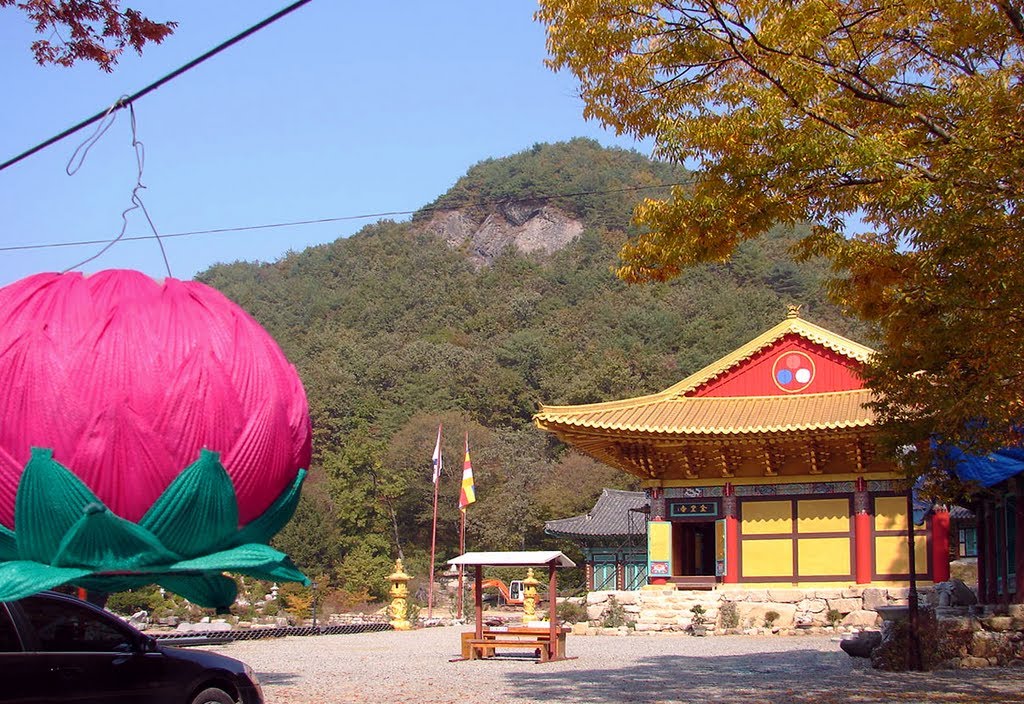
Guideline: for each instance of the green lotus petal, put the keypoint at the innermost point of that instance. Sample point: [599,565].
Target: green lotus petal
[8,544]
[284,572]
[210,590]
[21,578]
[113,583]
[265,526]
[108,543]
[49,502]
[198,512]
[243,557]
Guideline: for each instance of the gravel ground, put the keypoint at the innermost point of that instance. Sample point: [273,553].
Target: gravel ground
[414,667]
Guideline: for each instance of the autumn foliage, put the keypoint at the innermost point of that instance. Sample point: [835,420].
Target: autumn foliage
[894,128]
[88,30]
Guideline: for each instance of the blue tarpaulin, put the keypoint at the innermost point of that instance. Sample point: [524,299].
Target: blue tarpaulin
[986,470]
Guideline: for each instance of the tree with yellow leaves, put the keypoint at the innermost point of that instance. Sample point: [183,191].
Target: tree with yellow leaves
[894,127]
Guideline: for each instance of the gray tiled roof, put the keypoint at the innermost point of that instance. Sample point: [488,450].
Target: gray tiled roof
[610,516]
[960,513]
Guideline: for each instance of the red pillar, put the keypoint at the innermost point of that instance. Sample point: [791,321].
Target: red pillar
[940,544]
[732,536]
[862,532]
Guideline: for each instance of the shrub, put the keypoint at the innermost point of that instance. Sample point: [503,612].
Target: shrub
[344,600]
[615,615]
[833,617]
[412,611]
[770,618]
[699,618]
[572,612]
[134,600]
[729,615]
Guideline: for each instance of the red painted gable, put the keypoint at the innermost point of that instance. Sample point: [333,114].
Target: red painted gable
[791,365]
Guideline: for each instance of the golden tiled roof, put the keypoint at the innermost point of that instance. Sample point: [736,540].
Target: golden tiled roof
[790,326]
[665,414]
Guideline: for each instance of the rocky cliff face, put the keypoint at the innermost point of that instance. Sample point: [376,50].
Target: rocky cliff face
[529,228]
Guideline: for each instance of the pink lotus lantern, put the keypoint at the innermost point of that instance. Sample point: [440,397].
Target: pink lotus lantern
[149,432]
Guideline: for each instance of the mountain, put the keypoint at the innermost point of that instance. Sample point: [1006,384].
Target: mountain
[497,296]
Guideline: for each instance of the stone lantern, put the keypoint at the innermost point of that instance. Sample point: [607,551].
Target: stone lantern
[530,596]
[399,598]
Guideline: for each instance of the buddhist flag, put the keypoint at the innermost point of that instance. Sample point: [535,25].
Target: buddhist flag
[468,493]
[438,460]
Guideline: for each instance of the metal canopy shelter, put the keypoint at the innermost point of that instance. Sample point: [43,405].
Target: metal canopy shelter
[552,559]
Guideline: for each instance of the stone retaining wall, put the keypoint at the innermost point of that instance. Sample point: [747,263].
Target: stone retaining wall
[799,610]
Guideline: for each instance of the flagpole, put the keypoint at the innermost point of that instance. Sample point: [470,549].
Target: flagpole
[467,495]
[462,551]
[438,465]
[433,545]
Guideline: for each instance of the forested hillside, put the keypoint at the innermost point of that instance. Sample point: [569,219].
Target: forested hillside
[394,331]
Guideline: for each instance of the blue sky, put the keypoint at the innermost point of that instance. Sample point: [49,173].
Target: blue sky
[339,109]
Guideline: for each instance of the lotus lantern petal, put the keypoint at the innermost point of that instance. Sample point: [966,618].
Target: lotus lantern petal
[144,426]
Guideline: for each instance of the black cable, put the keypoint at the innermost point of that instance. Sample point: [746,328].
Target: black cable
[296,223]
[123,102]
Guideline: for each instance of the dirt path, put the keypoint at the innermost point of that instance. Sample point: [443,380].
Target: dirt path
[655,669]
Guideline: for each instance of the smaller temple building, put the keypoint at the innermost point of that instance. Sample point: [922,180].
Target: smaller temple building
[761,470]
[1000,529]
[613,536]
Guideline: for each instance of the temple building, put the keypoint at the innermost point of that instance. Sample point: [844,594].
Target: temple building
[613,537]
[761,470]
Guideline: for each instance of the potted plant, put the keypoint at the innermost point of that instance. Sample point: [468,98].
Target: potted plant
[698,620]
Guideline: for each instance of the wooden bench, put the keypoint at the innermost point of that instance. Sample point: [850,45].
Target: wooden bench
[474,648]
[485,647]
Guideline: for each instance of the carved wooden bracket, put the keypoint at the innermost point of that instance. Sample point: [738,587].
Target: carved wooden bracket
[772,459]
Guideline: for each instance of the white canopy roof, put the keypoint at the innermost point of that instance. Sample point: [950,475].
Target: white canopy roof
[525,558]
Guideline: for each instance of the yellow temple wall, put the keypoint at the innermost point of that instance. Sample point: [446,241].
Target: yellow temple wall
[817,532]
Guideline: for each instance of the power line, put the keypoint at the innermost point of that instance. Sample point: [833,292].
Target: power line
[125,101]
[343,218]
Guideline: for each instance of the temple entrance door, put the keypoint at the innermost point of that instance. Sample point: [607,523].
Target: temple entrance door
[694,546]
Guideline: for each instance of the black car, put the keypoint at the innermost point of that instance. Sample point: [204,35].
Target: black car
[55,648]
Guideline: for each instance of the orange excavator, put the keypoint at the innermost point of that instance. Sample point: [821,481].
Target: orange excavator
[511,594]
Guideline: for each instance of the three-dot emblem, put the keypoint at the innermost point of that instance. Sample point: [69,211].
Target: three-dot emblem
[793,371]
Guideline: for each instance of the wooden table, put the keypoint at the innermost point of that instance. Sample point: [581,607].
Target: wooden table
[491,639]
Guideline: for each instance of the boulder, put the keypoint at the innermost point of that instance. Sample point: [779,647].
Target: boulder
[972,662]
[627,598]
[215,626]
[786,596]
[861,645]
[596,598]
[749,595]
[962,594]
[999,624]
[648,627]
[813,606]
[752,615]
[962,623]
[861,618]
[595,612]
[844,606]
[985,645]
[875,597]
